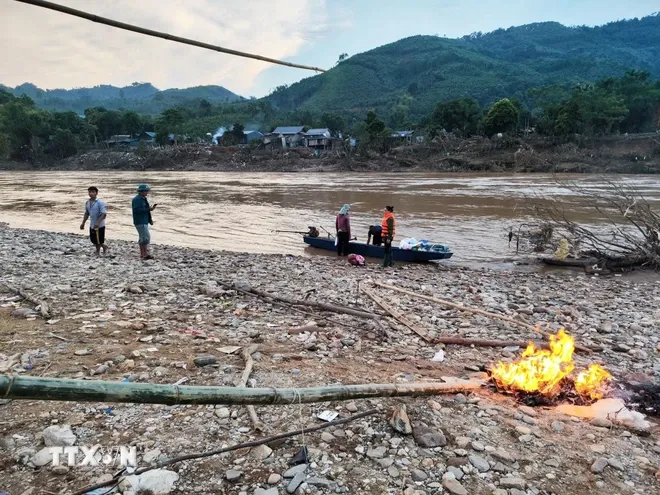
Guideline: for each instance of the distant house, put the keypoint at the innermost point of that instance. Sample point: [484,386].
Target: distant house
[147,137]
[285,137]
[318,139]
[119,140]
[402,137]
[249,136]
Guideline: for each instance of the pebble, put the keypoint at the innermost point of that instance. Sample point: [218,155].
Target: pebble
[479,463]
[290,473]
[601,422]
[517,483]
[460,399]
[261,452]
[599,465]
[526,438]
[428,437]
[457,472]
[558,426]
[377,453]
[222,413]
[523,430]
[205,360]
[274,479]
[418,475]
[327,437]
[60,470]
[351,407]
[295,482]
[269,491]
[615,464]
[393,472]
[529,420]
[552,463]
[400,420]
[478,446]
[453,486]
[233,475]
[529,411]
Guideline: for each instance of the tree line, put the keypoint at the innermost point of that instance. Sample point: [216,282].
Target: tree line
[627,104]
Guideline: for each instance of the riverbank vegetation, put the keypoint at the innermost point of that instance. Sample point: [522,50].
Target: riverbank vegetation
[611,106]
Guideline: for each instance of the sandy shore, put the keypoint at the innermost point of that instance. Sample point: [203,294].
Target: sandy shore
[146,322]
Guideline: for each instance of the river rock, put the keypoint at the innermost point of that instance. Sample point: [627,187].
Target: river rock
[428,437]
[400,420]
[290,473]
[457,472]
[274,479]
[43,457]
[418,475]
[205,360]
[509,482]
[377,453]
[295,482]
[599,465]
[157,481]
[233,475]
[269,491]
[58,436]
[479,463]
[261,452]
[453,486]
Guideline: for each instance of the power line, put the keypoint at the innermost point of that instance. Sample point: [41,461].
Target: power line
[158,34]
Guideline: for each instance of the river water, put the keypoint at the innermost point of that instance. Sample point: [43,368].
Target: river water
[472,214]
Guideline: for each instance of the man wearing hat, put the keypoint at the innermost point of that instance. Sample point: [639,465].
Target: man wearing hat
[142,219]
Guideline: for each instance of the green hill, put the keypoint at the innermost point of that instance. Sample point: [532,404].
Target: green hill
[504,63]
[139,97]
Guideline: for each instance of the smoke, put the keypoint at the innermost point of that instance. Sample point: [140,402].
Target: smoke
[218,134]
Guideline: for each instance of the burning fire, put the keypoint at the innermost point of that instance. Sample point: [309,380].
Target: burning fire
[542,371]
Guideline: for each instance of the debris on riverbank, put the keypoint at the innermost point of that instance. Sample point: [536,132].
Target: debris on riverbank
[120,319]
[634,154]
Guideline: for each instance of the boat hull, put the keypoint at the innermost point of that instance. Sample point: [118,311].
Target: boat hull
[370,251]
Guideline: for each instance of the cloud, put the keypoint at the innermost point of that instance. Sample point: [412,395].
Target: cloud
[54,50]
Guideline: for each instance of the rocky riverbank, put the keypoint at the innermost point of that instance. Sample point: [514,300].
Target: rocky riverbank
[117,318]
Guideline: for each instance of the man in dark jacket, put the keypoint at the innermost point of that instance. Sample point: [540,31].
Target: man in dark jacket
[375,231]
[142,219]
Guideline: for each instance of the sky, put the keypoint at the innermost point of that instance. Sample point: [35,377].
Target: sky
[54,50]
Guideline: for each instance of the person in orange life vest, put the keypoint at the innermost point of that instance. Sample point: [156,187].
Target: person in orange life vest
[389,226]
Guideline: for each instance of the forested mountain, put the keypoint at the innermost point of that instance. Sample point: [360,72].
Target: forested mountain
[142,98]
[424,70]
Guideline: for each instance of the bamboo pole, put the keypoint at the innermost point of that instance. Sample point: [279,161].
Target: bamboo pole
[298,302]
[497,343]
[474,310]
[396,315]
[240,446]
[44,309]
[158,34]
[57,389]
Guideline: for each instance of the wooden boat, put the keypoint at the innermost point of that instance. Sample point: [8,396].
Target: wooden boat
[370,251]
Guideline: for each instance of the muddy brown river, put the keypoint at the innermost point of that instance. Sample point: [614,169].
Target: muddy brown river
[472,214]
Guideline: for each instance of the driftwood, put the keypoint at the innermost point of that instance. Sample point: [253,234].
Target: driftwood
[117,479]
[59,389]
[476,311]
[498,343]
[396,315]
[44,309]
[303,329]
[313,304]
[249,364]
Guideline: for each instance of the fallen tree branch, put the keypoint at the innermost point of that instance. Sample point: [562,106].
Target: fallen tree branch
[396,315]
[473,310]
[43,305]
[249,364]
[498,343]
[239,446]
[64,389]
[314,304]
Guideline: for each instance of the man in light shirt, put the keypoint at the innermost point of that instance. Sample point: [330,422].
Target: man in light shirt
[95,210]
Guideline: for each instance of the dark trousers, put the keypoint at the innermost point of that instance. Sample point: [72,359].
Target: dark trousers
[342,243]
[387,260]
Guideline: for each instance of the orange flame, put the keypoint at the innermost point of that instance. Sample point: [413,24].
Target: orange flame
[589,381]
[542,371]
